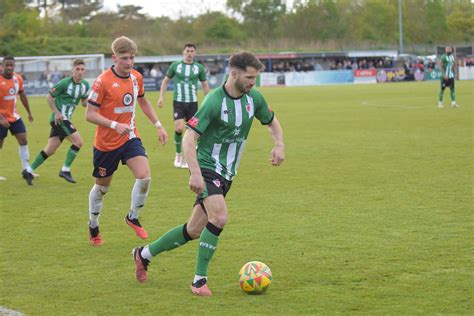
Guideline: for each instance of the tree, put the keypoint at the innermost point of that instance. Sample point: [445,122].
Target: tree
[260,15]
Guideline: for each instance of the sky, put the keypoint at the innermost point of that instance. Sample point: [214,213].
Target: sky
[170,8]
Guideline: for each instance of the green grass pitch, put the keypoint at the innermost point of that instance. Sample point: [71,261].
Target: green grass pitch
[370,213]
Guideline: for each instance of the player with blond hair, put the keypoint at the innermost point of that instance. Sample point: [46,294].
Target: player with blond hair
[111,106]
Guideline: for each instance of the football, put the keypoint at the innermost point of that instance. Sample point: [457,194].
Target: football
[255,277]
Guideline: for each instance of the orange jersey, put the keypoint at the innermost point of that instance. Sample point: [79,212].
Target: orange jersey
[9,90]
[116,97]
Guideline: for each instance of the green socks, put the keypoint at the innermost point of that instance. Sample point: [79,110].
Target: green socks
[207,247]
[71,155]
[39,160]
[174,238]
[177,141]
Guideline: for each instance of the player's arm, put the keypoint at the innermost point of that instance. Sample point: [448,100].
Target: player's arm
[164,85]
[278,151]
[196,183]
[151,114]
[24,100]
[58,117]
[205,87]
[93,116]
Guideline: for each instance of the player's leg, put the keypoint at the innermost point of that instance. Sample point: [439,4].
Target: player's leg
[174,238]
[178,115]
[77,142]
[53,144]
[19,130]
[441,93]
[137,161]
[189,110]
[217,214]
[96,198]
[453,94]
[105,164]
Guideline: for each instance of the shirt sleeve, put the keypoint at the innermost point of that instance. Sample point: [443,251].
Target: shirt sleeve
[263,112]
[88,90]
[171,70]
[97,93]
[141,87]
[202,73]
[21,86]
[203,117]
[57,89]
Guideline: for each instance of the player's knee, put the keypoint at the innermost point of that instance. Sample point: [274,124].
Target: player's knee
[192,231]
[78,143]
[219,220]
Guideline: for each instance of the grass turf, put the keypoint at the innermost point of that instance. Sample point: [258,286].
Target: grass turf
[370,213]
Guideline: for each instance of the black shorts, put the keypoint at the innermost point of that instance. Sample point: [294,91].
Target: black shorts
[215,184]
[184,110]
[62,130]
[447,83]
[16,127]
[106,162]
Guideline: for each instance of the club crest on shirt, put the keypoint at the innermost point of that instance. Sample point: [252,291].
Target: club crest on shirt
[193,121]
[102,172]
[127,99]
[217,182]
[11,91]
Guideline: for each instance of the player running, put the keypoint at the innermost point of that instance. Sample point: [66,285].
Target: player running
[220,128]
[185,74]
[63,99]
[11,86]
[111,106]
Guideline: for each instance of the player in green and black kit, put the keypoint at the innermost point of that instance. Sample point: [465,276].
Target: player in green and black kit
[63,99]
[220,128]
[448,68]
[186,74]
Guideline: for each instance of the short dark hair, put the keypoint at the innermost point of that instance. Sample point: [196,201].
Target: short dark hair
[189,45]
[8,58]
[243,60]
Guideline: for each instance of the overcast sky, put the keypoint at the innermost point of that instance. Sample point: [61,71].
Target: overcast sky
[170,8]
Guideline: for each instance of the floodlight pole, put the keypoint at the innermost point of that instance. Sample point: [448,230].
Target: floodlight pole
[400,25]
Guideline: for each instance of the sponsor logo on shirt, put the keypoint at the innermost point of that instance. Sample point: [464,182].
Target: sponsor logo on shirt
[93,96]
[127,99]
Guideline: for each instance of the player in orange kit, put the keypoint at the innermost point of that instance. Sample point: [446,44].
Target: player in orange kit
[111,105]
[11,86]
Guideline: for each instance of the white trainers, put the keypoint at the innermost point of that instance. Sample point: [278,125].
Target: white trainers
[184,165]
[2,178]
[454,105]
[440,105]
[177,161]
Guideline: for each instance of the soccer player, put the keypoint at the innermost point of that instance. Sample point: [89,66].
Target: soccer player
[11,86]
[448,68]
[220,129]
[63,99]
[186,74]
[111,105]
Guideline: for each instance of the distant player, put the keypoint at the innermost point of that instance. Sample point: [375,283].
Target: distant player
[185,74]
[220,128]
[112,105]
[11,86]
[448,69]
[63,99]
